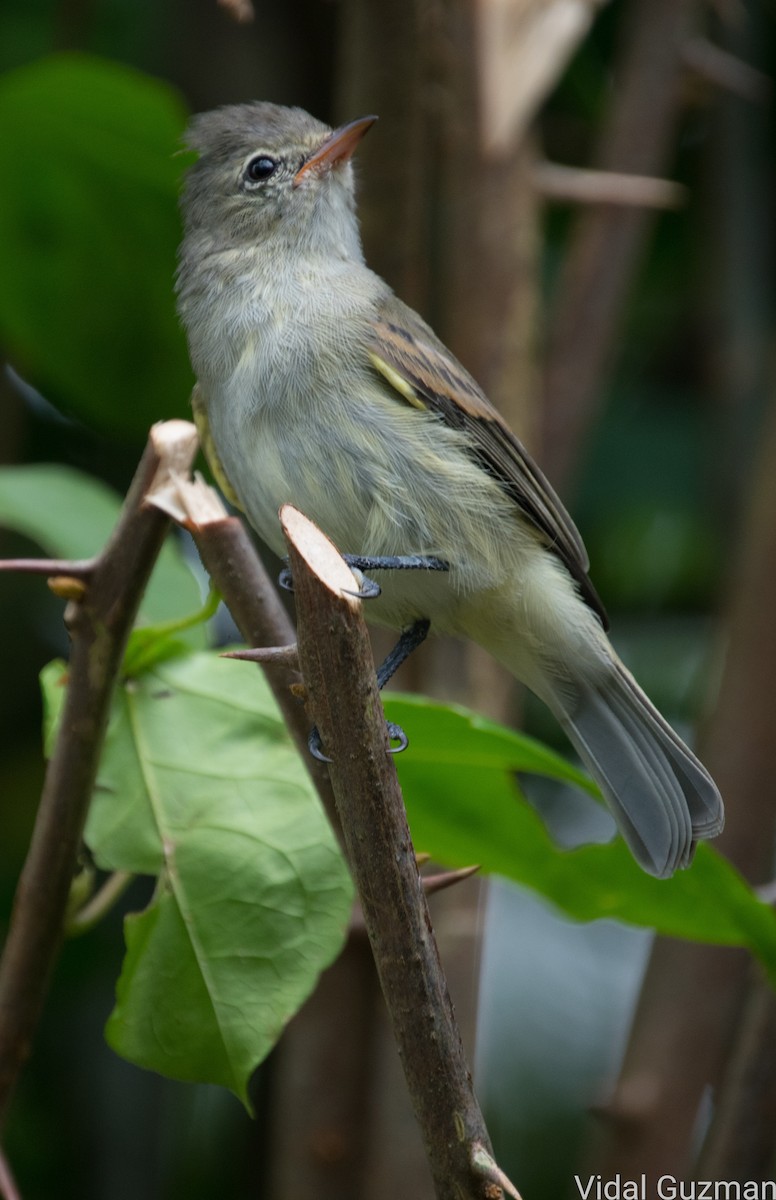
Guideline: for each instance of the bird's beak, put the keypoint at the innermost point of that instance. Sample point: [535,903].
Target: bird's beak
[337,149]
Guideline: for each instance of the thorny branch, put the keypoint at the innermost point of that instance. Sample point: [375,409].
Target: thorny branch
[99,624]
[336,661]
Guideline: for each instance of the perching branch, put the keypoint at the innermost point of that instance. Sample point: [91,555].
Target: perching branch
[349,987]
[343,700]
[99,624]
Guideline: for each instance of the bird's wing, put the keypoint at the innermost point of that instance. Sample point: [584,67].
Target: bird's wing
[420,369]
[199,411]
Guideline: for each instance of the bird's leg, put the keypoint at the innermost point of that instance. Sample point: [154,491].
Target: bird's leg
[410,639]
[369,590]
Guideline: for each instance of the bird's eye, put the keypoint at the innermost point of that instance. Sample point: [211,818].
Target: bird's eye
[260,168]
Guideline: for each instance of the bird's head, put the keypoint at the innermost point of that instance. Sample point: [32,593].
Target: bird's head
[266,172]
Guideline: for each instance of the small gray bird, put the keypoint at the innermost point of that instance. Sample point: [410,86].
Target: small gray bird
[318,387]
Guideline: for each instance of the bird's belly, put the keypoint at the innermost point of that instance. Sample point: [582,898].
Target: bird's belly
[378,486]
[270,463]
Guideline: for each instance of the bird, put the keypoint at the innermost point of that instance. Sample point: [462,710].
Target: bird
[317,386]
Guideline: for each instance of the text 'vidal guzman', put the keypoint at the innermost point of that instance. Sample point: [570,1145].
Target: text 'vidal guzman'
[668,1187]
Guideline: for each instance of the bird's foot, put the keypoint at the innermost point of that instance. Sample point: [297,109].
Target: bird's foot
[361,563]
[395,734]
[409,640]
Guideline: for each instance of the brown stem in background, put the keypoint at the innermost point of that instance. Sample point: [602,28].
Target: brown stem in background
[688,1021]
[725,70]
[740,1142]
[336,659]
[690,1006]
[607,242]
[99,625]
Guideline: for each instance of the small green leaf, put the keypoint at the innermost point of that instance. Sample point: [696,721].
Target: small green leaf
[465,807]
[152,644]
[200,785]
[149,645]
[72,515]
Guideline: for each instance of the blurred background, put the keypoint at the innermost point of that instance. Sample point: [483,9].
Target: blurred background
[579,197]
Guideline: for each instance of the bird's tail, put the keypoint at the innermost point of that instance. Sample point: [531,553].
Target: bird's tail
[662,798]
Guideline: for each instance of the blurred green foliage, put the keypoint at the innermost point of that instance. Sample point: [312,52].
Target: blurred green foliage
[88,235]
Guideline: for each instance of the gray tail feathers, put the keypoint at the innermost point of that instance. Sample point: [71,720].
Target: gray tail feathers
[661,797]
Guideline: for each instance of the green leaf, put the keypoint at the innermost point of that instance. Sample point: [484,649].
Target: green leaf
[200,785]
[71,515]
[151,644]
[88,236]
[465,807]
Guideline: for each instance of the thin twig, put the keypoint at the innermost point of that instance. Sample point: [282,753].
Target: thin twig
[577,186]
[431,884]
[484,1165]
[99,626]
[447,879]
[336,660]
[267,655]
[81,568]
[726,70]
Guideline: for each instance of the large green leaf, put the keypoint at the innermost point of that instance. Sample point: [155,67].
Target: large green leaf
[71,515]
[200,785]
[88,233]
[465,807]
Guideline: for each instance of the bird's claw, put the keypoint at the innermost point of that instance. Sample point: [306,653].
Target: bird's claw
[315,746]
[286,579]
[367,589]
[395,733]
